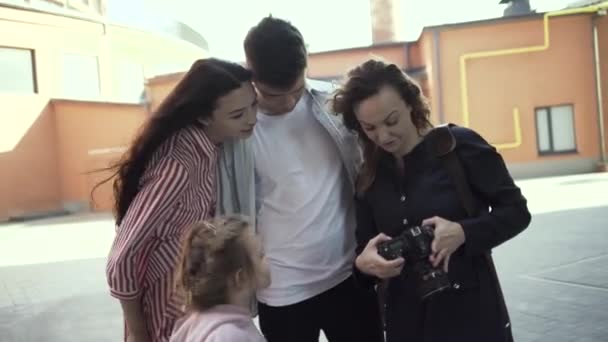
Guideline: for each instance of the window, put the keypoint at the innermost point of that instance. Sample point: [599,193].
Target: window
[17,71]
[81,5]
[555,129]
[129,80]
[16,2]
[80,77]
[48,4]
[98,7]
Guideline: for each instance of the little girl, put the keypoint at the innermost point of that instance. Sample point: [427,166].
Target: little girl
[222,266]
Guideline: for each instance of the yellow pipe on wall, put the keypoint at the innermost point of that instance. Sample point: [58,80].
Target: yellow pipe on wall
[464,91]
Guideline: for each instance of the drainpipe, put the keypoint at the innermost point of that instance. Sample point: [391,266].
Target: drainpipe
[437,72]
[406,56]
[598,89]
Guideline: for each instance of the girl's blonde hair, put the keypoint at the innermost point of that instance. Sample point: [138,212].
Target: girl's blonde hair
[213,251]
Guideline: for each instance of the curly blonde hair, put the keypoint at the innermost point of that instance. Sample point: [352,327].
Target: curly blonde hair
[213,252]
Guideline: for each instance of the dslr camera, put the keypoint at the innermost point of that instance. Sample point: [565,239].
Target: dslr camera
[414,245]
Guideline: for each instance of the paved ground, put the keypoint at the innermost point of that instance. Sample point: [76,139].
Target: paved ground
[554,275]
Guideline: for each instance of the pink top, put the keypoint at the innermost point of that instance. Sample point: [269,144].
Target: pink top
[223,323]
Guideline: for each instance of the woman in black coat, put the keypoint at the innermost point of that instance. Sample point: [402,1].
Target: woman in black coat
[404,184]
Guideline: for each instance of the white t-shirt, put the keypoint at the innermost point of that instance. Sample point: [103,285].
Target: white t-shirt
[306,215]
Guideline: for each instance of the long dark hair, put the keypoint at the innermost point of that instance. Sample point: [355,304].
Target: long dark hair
[191,101]
[365,81]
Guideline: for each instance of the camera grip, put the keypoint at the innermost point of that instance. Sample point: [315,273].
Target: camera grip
[390,250]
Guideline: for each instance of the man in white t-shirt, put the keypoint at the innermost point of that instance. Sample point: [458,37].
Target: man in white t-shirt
[305,166]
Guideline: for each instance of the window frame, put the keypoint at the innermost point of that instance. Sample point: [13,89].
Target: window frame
[34,74]
[551,150]
[99,94]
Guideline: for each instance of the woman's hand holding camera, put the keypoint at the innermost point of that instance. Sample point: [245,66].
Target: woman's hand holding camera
[370,262]
[448,237]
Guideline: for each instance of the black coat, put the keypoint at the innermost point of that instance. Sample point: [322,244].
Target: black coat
[471,310]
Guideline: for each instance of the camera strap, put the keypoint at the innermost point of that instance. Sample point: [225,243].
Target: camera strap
[443,144]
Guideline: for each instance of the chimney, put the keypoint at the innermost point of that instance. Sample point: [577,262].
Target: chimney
[385,20]
[516,7]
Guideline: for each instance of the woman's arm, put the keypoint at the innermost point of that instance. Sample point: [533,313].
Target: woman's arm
[125,265]
[491,181]
[133,313]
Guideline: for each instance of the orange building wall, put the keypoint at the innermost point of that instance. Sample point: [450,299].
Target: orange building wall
[338,63]
[60,159]
[158,88]
[28,157]
[560,75]
[496,84]
[603,50]
[416,55]
[45,144]
[47,168]
[82,150]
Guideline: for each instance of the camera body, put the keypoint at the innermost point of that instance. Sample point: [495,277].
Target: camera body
[414,245]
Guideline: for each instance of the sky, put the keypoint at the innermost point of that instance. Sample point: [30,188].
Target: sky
[325,24]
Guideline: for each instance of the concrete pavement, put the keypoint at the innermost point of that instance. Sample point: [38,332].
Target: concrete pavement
[554,275]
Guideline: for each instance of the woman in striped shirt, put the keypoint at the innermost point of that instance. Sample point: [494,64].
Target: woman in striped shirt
[166,182]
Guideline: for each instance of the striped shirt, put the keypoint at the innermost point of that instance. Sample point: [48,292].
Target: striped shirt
[176,190]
